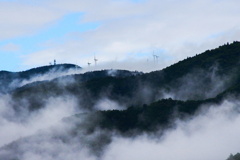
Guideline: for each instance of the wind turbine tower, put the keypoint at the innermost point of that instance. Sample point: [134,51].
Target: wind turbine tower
[156,58]
[89,64]
[95,60]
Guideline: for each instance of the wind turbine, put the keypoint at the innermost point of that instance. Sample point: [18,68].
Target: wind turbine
[95,60]
[157,58]
[154,57]
[89,64]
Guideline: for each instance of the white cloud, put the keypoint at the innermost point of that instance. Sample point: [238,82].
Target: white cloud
[21,124]
[21,19]
[10,47]
[211,135]
[180,28]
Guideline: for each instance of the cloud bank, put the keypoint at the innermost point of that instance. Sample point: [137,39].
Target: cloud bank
[210,135]
[128,30]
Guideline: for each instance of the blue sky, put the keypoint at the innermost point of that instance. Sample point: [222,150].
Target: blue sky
[33,33]
[28,44]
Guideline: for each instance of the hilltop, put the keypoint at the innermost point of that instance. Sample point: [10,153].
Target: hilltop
[120,103]
[201,77]
[8,78]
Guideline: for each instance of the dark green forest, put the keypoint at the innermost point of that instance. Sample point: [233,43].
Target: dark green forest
[234,157]
[153,101]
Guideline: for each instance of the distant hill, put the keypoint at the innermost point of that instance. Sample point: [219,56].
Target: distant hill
[203,76]
[200,74]
[146,118]
[7,78]
[207,77]
[234,157]
[153,101]
[72,85]
[39,70]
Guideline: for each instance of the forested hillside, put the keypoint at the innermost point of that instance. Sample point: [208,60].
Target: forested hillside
[192,98]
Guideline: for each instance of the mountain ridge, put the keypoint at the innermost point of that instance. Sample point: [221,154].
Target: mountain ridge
[174,75]
[152,103]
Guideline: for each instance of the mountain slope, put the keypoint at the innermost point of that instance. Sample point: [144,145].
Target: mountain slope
[199,73]
[9,79]
[152,105]
[234,157]
[36,71]
[146,118]
[201,77]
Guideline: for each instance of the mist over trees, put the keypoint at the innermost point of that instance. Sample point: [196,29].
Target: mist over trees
[89,114]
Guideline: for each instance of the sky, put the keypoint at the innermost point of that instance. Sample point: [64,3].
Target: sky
[121,34]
